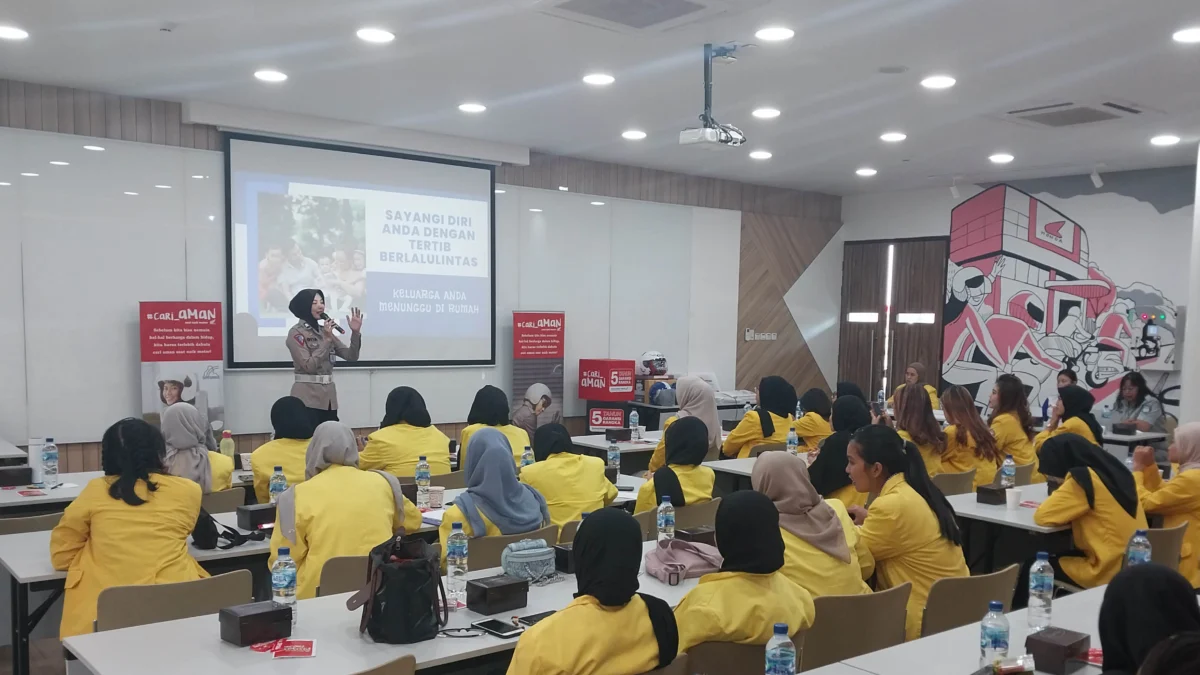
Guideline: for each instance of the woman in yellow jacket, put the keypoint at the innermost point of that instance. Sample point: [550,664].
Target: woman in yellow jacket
[969,443]
[490,409]
[1176,500]
[1011,423]
[813,426]
[743,602]
[572,484]
[187,456]
[768,423]
[293,429]
[338,510]
[684,479]
[405,435]
[129,527]
[916,423]
[1072,415]
[910,528]
[914,376]
[828,471]
[695,399]
[822,550]
[609,628]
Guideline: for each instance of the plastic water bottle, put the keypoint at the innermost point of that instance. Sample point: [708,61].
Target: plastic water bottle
[1106,412]
[614,456]
[881,399]
[793,442]
[1008,473]
[799,410]
[781,653]
[1138,551]
[227,446]
[278,484]
[456,567]
[1041,592]
[35,466]
[283,580]
[526,456]
[634,420]
[422,479]
[666,519]
[50,463]
[993,635]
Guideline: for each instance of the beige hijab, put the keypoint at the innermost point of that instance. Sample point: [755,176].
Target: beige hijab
[187,456]
[696,399]
[1187,441]
[783,477]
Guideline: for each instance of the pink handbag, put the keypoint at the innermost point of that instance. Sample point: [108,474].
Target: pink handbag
[674,560]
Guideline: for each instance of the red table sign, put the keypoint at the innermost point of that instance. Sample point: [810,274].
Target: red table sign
[600,419]
[605,380]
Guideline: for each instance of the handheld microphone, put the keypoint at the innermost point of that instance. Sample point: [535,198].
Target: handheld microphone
[325,317]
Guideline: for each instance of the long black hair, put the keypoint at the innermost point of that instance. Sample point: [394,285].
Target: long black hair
[881,445]
[132,449]
[1138,380]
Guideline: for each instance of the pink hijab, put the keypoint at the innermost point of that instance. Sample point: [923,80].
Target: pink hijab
[696,399]
[783,477]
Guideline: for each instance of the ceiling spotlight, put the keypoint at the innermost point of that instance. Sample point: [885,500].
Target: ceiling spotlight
[1164,140]
[30,174]
[212,217]
[198,177]
[1096,179]
[1186,36]
[500,192]
[3,184]
[376,35]
[893,136]
[563,188]
[766,113]
[760,154]
[472,107]
[599,79]
[633,134]
[270,75]
[60,163]
[131,194]
[12,33]
[535,210]
[938,82]
[1001,158]
[163,187]
[866,172]
[597,203]
[93,148]
[775,34]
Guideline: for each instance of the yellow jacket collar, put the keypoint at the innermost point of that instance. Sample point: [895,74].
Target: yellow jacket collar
[893,484]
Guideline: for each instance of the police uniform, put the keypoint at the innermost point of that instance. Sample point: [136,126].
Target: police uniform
[313,358]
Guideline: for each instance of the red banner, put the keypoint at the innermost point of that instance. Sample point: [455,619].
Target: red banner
[181,331]
[538,335]
[600,419]
[605,380]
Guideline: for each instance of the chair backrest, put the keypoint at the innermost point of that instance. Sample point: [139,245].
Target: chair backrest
[455,480]
[960,601]
[225,501]
[694,516]
[567,534]
[125,606]
[678,667]
[405,665]
[1024,474]
[1166,545]
[485,551]
[1170,424]
[649,522]
[343,574]
[29,523]
[852,625]
[767,447]
[955,483]
[729,658]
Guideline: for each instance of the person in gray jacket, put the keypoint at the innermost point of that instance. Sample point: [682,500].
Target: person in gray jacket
[313,348]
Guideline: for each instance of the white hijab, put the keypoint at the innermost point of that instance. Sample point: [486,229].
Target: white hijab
[187,456]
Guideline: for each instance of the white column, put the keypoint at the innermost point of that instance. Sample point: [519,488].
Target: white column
[1189,358]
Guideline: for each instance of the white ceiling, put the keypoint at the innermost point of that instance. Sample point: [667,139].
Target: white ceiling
[526,67]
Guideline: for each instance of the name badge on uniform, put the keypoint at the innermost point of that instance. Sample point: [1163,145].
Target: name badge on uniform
[332,356]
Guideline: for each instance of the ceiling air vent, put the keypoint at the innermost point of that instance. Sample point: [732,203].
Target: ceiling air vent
[1070,113]
[642,16]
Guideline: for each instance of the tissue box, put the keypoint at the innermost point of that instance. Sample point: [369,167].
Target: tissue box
[619,435]
[501,593]
[256,517]
[611,474]
[1058,651]
[705,534]
[19,475]
[1124,428]
[250,624]
[564,558]
[990,494]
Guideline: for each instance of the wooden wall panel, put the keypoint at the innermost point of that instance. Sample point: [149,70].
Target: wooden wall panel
[860,345]
[918,285]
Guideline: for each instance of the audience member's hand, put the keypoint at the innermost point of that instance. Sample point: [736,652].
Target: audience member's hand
[858,513]
[883,420]
[1143,457]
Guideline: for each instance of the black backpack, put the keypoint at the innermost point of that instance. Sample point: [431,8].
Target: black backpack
[400,602]
[208,534]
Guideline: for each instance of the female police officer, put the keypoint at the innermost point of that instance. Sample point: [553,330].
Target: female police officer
[313,348]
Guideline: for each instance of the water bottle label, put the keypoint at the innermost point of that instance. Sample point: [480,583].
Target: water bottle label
[781,664]
[993,639]
[1136,557]
[284,580]
[1041,583]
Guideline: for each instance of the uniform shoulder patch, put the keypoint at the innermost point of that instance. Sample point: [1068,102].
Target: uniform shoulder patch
[299,339]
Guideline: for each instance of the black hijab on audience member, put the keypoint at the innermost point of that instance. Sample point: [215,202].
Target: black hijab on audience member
[551,439]
[828,470]
[608,555]
[291,419]
[686,444]
[816,401]
[776,395]
[301,306]
[1143,605]
[1072,454]
[850,389]
[405,405]
[490,407]
[748,535]
[1078,402]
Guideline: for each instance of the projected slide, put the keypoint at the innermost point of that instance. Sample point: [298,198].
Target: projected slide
[408,241]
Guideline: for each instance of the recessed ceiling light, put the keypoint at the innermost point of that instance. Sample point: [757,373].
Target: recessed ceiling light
[1001,158]
[3,184]
[212,217]
[270,75]
[893,136]
[765,113]
[1186,36]
[633,134]
[535,210]
[866,172]
[563,188]
[376,35]
[131,194]
[472,107]
[12,33]
[60,163]
[93,148]
[599,79]
[593,203]
[163,187]
[1165,139]
[775,33]
[198,177]
[500,192]
[30,174]
[938,82]
[760,154]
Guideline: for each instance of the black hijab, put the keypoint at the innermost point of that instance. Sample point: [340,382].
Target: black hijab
[748,534]
[850,389]
[405,405]
[490,407]
[551,439]
[1072,454]
[301,306]
[1078,402]
[291,419]
[1143,605]
[816,401]
[776,395]
[686,444]
[608,554]
[828,470]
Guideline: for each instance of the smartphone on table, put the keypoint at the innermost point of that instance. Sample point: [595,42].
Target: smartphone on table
[534,618]
[501,629]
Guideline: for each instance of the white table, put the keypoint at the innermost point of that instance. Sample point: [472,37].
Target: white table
[11,454]
[11,501]
[967,506]
[1133,440]
[735,467]
[623,497]
[635,455]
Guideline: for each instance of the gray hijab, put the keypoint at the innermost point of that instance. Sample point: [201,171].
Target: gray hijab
[187,455]
[493,489]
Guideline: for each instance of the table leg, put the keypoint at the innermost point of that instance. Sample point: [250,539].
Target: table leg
[20,631]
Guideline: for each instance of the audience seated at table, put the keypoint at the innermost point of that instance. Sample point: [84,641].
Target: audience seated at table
[695,399]
[910,528]
[495,502]
[969,442]
[405,435]
[813,426]
[1176,500]
[743,602]
[571,483]
[293,427]
[609,628]
[1097,497]
[849,389]
[823,551]
[767,423]
[129,527]
[1144,605]
[915,422]
[338,510]
[490,409]
[1177,655]
[683,478]
[828,470]
[1137,405]
[1011,423]
[1072,415]
[187,455]
[915,375]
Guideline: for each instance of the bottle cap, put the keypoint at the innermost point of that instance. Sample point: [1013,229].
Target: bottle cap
[456,526]
[585,514]
[1042,555]
[49,440]
[1008,457]
[279,469]
[995,606]
[781,629]
[284,550]
[1140,533]
[227,434]
[666,499]
[421,457]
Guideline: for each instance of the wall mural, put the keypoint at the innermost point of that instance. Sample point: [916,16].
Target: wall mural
[1023,297]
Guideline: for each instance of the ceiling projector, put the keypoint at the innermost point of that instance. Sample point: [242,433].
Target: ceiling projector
[712,134]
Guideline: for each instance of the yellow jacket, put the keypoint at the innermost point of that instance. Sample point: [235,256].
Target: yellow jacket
[961,457]
[1011,440]
[587,638]
[341,511]
[572,485]
[1071,426]
[103,542]
[1178,502]
[822,574]
[811,429]
[659,458]
[455,515]
[933,397]
[396,450]
[696,481]
[517,437]
[848,496]
[741,608]
[1101,533]
[222,471]
[903,536]
[748,434]
[285,452]
[933,461]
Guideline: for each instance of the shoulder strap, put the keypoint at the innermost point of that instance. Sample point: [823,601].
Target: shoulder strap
[666,632]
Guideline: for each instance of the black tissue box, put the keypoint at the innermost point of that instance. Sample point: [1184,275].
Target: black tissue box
[990,494]
[250,624]
[704,534]
[564,558]
[611,474]
[493,595]
[18,476]
[1124,428]
[619,435]
[1057,650]
[256,517]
